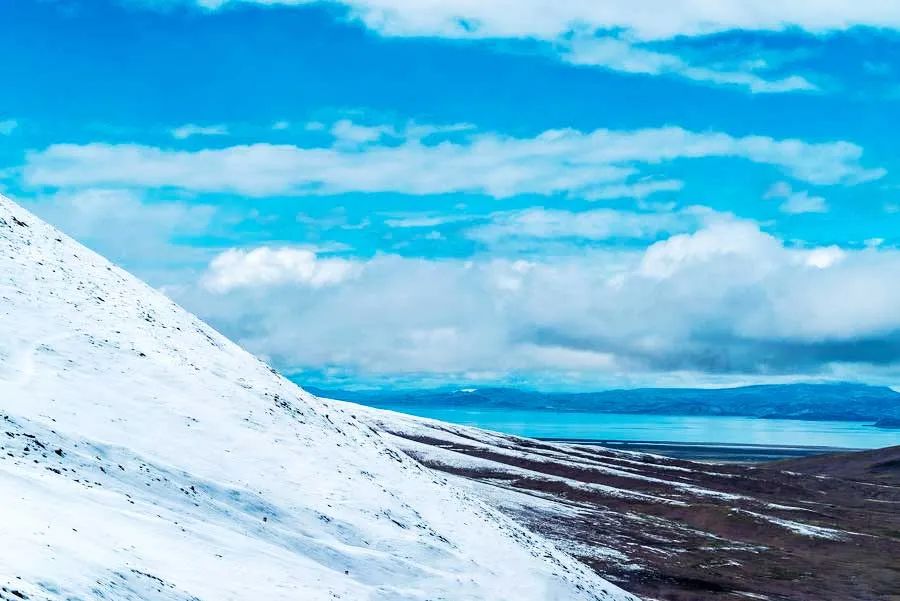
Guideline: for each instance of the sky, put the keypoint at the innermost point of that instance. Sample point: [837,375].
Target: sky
[560,195]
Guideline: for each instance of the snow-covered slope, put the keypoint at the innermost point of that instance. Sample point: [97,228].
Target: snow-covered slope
[144,456]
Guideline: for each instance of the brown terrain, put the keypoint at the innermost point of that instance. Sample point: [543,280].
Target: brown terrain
[818,528]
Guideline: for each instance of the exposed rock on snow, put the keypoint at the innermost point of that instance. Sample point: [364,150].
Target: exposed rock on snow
[144,456]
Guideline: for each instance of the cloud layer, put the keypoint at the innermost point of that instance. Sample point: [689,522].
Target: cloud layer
[593,165]
[725,300]
[615,34]
[648,20]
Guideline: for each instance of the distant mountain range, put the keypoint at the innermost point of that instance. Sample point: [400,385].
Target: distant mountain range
[821,402]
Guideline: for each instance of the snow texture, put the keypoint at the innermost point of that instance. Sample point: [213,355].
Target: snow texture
[144,456]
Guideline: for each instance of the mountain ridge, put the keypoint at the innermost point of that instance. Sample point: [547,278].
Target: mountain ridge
[844,401]
[145,456]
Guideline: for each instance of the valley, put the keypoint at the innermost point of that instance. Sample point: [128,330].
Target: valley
[823,527]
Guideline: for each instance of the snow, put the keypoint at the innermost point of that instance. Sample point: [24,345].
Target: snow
[435,456]
[145,456]
[799,527]
[408,427]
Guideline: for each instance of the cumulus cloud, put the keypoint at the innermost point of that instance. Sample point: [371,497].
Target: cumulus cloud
[595,164]
[191,129]
[264,266]
[727,300]
[824,257]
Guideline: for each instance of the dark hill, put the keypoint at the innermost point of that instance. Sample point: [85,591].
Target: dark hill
[881,466]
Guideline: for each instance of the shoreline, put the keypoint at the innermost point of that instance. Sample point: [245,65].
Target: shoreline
[708,451]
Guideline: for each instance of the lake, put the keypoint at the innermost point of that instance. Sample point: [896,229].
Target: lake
[680,429]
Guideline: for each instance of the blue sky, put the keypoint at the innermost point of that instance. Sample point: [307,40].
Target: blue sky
[562,195]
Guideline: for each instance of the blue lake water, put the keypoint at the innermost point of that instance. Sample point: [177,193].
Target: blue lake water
[684,429]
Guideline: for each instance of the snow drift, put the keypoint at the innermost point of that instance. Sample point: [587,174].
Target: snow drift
[144,456]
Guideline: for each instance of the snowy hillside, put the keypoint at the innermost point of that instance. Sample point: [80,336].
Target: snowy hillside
[144,456]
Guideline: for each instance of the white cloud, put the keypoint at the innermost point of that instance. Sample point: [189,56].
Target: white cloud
[720,241]
[647,20]
[778,190]
[8,126]
[190,129]
[725,301]
[127,226]
[621,55]
[419,220]
[337,218]
[347,132]
[824,257]
[796,202]
[594,164]
[600,224]
[639,190]
[264,266]
[802,202]
[614,33]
